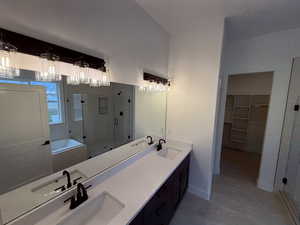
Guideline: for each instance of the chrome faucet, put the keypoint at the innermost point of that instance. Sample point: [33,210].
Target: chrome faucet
[159,145]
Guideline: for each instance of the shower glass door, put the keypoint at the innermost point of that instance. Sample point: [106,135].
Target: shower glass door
[122,112]
[76,117]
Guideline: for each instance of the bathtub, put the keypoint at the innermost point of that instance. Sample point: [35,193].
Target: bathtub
[66,153]
[63,145]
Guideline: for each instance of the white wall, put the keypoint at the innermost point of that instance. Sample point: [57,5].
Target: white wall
[120,30]
[194,65]
[270,52]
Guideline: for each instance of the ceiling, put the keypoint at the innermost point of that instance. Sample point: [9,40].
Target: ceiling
[245,18]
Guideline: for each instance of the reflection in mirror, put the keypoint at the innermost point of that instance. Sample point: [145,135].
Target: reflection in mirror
[150,109]
[100,117]
[49,127]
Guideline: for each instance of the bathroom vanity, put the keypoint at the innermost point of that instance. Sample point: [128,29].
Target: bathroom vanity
[145,189]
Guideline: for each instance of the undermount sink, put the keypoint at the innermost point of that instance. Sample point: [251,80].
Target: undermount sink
[48,188]
[98,211]
[169,153]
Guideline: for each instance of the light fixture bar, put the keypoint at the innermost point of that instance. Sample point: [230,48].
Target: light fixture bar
[32,46]
[153,83]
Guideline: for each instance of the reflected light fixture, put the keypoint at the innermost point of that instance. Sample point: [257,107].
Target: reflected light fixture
[49,68]
[9,61]
[99,78]
[51,61]
[83,74]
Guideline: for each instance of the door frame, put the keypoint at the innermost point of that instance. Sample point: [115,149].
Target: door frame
[221,118]
[285,137]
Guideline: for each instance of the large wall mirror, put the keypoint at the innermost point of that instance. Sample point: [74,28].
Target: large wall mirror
[49,127]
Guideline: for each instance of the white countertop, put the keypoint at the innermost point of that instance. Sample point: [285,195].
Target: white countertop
[133,185]
[22,200]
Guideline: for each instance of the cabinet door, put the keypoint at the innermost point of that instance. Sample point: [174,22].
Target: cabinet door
[159,210]
[175,192]
[151,217]
[183,177]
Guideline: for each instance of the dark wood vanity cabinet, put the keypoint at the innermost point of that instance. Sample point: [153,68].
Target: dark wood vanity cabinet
[161,208]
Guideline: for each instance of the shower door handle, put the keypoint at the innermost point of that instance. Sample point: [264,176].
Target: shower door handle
[116,122]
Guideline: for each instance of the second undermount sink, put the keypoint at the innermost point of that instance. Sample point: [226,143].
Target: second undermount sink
[169,153]
[98,211]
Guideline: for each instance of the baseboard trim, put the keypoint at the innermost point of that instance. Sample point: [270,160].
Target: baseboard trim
[198,192]
[265,186]
[290,207]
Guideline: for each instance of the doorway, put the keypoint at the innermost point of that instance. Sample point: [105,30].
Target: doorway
[245,119]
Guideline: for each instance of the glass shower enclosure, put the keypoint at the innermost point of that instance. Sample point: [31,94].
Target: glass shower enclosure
[101,118]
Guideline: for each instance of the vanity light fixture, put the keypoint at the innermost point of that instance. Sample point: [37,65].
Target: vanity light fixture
[9,61]
[154,83]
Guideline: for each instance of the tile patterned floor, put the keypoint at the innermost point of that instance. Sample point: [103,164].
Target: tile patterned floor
[236,200]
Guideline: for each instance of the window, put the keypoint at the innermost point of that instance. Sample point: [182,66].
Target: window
[103,105]
[53,98]
[13,82]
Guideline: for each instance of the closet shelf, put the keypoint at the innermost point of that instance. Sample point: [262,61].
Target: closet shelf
[261,105]
[244,107]
[240,118]
[239,130]
[238,141]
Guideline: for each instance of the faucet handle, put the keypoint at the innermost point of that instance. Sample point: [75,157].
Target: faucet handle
[62,188]
[75,180]
[87,187]
[161,141]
